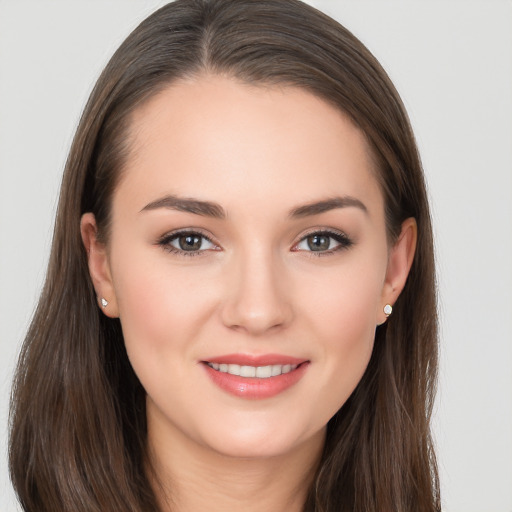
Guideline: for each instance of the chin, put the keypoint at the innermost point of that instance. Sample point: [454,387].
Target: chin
[253,452]
[251,444]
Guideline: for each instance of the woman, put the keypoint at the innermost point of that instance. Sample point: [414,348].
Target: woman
[239,310]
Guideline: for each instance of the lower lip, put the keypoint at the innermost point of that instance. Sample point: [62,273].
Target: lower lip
[253,388]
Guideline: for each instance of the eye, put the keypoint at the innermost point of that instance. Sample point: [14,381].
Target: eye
[323,242]
[188,243]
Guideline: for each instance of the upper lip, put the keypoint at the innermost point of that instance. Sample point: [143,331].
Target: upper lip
[255,360]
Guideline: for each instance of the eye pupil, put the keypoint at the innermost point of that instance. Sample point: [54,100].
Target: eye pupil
[190,242]
[318,242]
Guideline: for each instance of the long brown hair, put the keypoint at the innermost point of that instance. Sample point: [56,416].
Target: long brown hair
[78,422]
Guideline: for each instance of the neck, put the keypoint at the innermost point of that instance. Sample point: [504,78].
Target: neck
[192,478]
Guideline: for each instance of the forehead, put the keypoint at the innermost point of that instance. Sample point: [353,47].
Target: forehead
[215,136]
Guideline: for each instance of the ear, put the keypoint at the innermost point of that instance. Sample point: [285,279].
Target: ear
[99,267]
[400,261]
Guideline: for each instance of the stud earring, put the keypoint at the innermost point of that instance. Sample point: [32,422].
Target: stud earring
[388,309]
[104,302]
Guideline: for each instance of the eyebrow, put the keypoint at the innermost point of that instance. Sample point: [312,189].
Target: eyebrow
[189,205]
[211,209]
[326,205]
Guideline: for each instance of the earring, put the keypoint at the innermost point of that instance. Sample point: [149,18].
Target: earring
[104,302]
[388,309]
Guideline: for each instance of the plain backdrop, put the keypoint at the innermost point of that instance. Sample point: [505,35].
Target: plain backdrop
[452,63]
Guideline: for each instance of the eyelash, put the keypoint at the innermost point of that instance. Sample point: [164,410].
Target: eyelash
[165,242]
[341,238]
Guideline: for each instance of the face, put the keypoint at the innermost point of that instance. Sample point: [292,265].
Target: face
[248,263]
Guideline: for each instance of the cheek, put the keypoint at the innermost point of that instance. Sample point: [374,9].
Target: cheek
[343,317]
[347,326]
[160,307]
[344,302]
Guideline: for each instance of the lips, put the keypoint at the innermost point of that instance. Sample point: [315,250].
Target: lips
[255,377]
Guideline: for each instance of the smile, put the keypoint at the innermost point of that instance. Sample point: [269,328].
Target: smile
[259,372]
[255,377]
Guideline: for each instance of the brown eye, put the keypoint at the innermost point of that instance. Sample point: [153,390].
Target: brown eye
[187,242]
[190,242]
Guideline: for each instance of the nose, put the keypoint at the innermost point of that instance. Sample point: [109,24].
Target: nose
[258,299]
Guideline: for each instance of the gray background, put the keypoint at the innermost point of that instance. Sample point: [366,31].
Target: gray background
[452,63]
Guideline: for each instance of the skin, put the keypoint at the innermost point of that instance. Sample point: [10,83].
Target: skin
[256,288]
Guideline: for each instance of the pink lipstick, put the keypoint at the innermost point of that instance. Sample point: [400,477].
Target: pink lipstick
[255,377]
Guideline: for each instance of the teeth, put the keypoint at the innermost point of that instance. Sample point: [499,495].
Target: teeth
[247,371]
[234,369]
[276,370]
[261,372]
